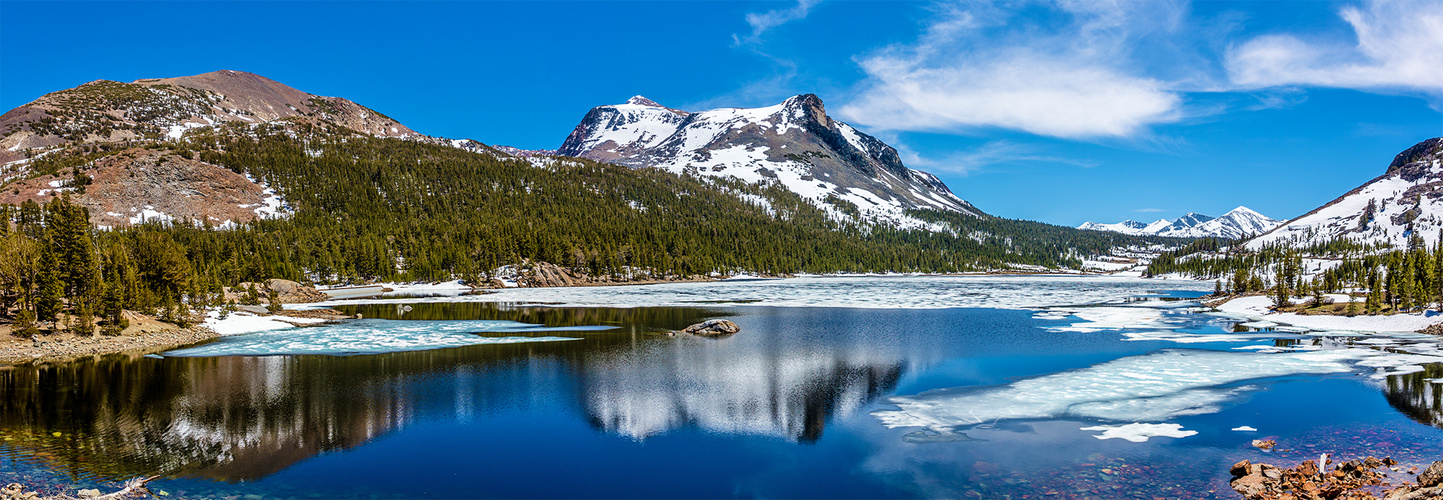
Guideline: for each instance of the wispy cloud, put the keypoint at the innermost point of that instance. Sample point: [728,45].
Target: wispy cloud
[761,22]
[1069,74]
[1149,210]
[974,160]
[773,87]
[1396,47]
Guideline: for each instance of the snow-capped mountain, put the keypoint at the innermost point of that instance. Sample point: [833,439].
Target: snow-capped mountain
[1127,227]
[793,144]
[1237,223]
[1406,200]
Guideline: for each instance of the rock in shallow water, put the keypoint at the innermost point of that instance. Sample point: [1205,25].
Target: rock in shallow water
[713,327]
[1432,476]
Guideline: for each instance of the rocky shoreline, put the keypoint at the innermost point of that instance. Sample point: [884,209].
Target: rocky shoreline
[1361,479]
[53,350]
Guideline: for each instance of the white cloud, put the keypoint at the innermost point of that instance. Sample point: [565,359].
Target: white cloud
[1067,75]
[1398,47]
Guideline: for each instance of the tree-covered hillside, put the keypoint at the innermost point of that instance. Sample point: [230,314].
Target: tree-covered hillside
[365,208]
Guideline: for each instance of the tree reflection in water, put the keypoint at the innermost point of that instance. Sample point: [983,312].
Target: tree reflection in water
[243,418]
[1417,395]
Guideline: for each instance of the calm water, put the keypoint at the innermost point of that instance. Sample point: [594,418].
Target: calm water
[805,402]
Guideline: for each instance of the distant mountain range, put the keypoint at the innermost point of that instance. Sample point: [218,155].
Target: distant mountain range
[793,144]
[1406,201]
[1238,223]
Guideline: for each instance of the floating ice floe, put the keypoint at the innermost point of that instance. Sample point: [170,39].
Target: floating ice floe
[1201,338]
[373,336]
[1245,428]
[1100,318]
[1151,387]
[1139,432]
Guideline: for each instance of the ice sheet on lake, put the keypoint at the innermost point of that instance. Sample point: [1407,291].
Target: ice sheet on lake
[1146,388]
[916,292]
[372,336]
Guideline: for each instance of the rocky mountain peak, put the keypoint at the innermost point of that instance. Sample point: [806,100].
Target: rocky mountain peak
[1416,160]
[642,101]
[165,108]
[808,107]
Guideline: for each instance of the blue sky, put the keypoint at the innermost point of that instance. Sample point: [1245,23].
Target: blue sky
[1062,111]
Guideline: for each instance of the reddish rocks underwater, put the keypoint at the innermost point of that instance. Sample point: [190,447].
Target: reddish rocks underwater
[1358,479]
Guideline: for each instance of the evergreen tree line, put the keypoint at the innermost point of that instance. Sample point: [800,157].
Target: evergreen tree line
[55,268]
[1390,281]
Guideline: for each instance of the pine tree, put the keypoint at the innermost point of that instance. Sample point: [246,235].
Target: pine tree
[1280,295]
[1374,302]
[112,308]
[51,290]
[25,325]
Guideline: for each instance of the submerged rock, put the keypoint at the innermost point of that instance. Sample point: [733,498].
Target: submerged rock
[713,327]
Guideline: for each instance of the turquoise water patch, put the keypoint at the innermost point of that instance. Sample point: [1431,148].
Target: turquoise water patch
[376,336]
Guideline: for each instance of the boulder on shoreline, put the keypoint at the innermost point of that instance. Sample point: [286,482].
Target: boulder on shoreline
[713,328]
[289,292]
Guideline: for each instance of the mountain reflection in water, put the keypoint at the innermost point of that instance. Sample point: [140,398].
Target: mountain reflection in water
[241,418]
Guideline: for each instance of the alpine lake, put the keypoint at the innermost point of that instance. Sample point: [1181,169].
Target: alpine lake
[864,387]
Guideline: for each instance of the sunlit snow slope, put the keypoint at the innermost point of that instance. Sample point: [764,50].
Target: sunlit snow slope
[793,144]
[1406,200]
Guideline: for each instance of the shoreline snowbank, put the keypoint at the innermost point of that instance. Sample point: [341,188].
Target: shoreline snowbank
[1256,308]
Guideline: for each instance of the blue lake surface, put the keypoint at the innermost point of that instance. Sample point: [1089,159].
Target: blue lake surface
[806,402]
